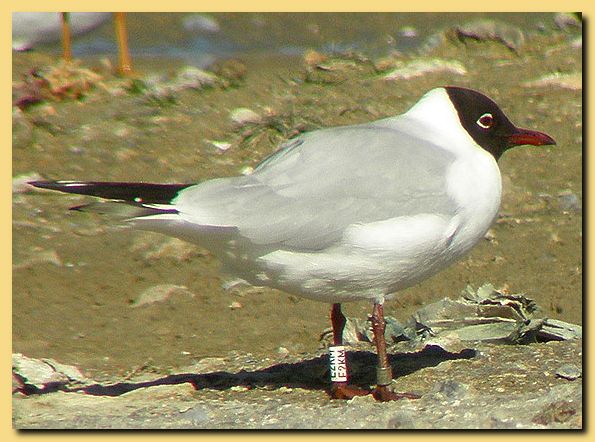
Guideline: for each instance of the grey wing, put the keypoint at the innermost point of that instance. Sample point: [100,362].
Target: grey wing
[304,196]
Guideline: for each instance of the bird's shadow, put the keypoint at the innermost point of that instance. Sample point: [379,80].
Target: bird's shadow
[310,374]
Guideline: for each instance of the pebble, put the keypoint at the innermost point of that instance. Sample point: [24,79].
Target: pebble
[247,170]
[490,235]
[569,202]
[42,372]
[450,389]
[510,36]
[408,32]
[200,23]
[206,365]
[283,352]
[222,146]
[570,80]
[231,284]
[235,305]
[191,77]
[39,257]
[160,293]
[78,150]
[313,58]
[418,68]
[569,371]
[243,116]
[171,248]
[566,21]
[403,420]
[197,415]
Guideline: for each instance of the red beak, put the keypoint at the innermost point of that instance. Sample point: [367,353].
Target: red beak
[532,137]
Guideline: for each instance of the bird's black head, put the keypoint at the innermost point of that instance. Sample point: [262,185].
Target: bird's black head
[488,126]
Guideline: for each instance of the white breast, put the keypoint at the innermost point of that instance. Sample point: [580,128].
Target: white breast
[474,181]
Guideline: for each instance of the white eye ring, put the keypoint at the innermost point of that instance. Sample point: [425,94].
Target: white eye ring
[486,120]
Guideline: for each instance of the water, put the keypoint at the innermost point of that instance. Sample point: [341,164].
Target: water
[199,39]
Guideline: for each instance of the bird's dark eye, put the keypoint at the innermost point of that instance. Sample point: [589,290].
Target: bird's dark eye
[486,120]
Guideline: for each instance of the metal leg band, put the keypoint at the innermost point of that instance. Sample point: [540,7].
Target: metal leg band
[384,376]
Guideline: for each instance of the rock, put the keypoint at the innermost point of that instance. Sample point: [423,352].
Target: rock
[247,170]
[160,293]
[191,77]
[243,116]
[235,305]
[408,32]
[490,235]
[561,405]
[402,420]
[232,71]
[566,21]
[222,146]
[197,415]
[43,374]
[314,58]
[36,372]
[450,390]
[571,80]
[418,68]
[432,42]
[200,23]
[172,248]
[450,342]
[484,30]
[283,352]
[569,371]
[39,256]
[356,331]
[569,202]
[207,365]
[234,283]
[165,88]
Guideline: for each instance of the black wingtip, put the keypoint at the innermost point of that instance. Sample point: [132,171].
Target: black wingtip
[148,193]
[43,184]
[78,187]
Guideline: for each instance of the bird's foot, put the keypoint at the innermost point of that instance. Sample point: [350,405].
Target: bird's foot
[383,393]
[341,390]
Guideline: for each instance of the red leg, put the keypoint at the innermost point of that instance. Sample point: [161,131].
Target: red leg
[341,389]
[338,322]
[384,376]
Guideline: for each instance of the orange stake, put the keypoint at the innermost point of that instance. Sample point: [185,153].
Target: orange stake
[66,38]
[124,61]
